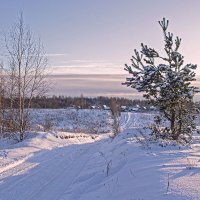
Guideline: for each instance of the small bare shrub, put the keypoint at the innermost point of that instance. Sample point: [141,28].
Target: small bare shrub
[143,139]
[191,163]
[108,167]
[108,163]
[115,114]
[48,124]
[168,183]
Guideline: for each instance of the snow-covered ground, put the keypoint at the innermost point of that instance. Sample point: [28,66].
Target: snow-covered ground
[71,120]
[77,166]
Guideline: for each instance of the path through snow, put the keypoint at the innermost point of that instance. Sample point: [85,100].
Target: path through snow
[46,175]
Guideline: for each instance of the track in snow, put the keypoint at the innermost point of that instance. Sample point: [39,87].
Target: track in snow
[134,120]
[52,173]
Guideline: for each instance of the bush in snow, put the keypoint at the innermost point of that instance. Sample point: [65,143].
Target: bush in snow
[167,86]
[47,124]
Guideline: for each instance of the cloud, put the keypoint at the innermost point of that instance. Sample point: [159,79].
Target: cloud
[88,61]
[95,85]
[55,54]
[62,64]
[87,67]
[91,85]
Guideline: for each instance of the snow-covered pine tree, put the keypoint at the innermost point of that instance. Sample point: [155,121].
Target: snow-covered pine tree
[166,85]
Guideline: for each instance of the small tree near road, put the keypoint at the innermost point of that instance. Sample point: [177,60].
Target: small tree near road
[166,85]
[115,114]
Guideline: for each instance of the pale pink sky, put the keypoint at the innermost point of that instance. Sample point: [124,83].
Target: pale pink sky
[99,36]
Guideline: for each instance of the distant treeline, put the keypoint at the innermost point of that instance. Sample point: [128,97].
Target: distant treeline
[82,102]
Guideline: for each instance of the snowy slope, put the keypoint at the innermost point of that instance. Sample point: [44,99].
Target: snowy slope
[89,167]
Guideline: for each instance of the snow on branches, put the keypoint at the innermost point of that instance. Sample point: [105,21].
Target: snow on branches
[167,85]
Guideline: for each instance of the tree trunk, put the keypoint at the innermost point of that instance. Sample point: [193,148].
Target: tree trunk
[172,126]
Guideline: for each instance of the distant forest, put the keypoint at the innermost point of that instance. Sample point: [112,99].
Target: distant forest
[77,102]
[82,102]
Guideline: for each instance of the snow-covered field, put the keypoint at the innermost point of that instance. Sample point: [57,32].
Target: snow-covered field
[60,165]
[71,120]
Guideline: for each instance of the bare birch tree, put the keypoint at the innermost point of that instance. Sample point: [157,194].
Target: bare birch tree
[2,99]
[26,73]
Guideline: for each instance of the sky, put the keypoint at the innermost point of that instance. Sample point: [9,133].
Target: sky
[87,42]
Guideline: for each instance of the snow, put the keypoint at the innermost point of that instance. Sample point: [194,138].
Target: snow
[71,120]
[60,165]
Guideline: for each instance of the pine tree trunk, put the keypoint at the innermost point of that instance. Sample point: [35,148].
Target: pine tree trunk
[180,121]
[172,126]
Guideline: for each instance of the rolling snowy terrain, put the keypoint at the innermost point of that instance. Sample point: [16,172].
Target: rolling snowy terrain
[62,165]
